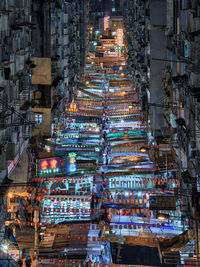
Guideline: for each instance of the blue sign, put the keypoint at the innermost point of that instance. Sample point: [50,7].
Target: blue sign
[186,49]
[115,67]
[72,162]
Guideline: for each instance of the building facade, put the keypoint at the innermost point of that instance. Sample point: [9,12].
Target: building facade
[60,52]
[16,91]
[166,77]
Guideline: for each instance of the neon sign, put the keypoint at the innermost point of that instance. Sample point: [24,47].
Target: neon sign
[120,37]
[43,165]
[72,108]
[118,50]
[52,165]
[186,48]
[72,162]
[106,23]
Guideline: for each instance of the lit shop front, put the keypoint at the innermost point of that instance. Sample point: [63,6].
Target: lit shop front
[57,209]
[70,185]
[127,204]
[130,182]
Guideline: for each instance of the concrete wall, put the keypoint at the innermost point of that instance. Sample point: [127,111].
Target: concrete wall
[158,50]
[20,173]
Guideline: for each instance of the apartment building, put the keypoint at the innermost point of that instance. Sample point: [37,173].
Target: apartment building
[163,44]
[59,55]
[15,88]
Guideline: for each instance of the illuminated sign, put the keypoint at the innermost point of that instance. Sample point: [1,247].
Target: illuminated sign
[66,148]
[118,49]
[120,37]
[67,209]
[122,124]
[72,108]
[186,48]
[72,162]
[52,165]
[106,23]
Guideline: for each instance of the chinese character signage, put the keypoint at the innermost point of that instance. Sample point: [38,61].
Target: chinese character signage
[72,162]
[52,165]
[58,165]
[106,23]
[120,37]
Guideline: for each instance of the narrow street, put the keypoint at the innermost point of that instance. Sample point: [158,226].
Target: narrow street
[99,133]
[102,133]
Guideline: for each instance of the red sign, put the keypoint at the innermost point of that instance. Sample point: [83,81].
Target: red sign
[53,164]
[43,165]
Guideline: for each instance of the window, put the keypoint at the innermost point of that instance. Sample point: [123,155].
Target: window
[113,9]
[38,118]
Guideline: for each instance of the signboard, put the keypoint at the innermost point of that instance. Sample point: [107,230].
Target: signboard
[186,48]
[68,208]
[52,165]
[58,165]
[63,148]
[118,49]
[106,23]
[162,202]
[132,124]
[115,67]
[120,37]
[72,162]
[72,108]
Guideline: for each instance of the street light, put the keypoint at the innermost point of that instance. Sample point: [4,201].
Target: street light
[143,149]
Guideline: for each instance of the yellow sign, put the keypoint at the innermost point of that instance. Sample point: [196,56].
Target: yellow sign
[106,23]
[73,107]
[120,37]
